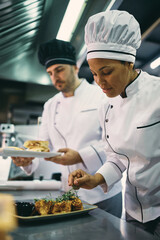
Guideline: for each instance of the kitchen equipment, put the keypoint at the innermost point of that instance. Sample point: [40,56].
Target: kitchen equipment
[7,131]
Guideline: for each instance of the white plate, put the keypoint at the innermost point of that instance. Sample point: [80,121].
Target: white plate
[9,152]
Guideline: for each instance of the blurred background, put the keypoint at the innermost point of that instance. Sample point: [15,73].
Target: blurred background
[24,84]
[24,24]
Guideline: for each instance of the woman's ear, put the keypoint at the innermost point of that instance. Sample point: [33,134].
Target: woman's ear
[131,65]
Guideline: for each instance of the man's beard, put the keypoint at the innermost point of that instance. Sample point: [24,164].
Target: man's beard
[70,83]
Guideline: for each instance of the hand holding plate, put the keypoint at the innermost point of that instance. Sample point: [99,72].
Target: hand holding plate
[22,161]
[68,157]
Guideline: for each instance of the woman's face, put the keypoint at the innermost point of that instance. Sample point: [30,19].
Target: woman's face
[111,75]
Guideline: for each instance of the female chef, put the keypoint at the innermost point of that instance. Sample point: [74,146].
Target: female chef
[132,117]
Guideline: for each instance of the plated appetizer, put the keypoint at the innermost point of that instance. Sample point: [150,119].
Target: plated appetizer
[65,203]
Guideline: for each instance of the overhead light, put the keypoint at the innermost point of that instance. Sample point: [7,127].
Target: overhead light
[110,4]
[155,63]
[44,80]
[71,18]
[82,55]
[82,51]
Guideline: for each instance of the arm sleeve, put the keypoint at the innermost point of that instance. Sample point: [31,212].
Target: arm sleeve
[32,167]
[93,156]
[112,171]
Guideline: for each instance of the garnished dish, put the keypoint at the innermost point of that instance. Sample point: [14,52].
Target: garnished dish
[65,203]
[49,208]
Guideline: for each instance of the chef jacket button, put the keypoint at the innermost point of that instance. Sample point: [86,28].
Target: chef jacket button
[54,123]
[106,120]
[56,112]
[111,106]
[107,136]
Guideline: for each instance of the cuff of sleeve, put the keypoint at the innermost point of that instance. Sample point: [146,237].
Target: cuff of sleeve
[31,168]
[90,159]
[111,174]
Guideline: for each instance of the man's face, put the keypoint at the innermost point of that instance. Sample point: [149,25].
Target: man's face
[63,76]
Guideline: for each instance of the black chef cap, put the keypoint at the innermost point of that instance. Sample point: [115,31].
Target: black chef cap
[56,51]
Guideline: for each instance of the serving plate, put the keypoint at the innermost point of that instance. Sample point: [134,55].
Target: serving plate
[11,152]
[87,208]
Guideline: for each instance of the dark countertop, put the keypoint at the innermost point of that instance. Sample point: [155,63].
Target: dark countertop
[97,224]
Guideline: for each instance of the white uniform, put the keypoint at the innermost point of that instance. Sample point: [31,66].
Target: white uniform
[73,122]
[132,129]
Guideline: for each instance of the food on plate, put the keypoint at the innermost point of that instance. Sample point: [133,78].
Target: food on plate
[43,206]
[61,207]
[24,208]
[16,148]
[63,204]
[77,204]
[37,145]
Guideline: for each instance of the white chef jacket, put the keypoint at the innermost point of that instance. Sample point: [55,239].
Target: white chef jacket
[132,130]
[73,122]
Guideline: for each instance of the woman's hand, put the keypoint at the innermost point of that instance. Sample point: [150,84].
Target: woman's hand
[80,178]
[69,157]
[21,161]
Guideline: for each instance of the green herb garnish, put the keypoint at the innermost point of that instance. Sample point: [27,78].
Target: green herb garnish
[67,196]
[64,197]
[46,199]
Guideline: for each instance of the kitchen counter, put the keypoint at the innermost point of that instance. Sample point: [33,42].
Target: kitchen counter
[97,224]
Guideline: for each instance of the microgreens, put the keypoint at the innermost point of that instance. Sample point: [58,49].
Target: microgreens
[64,197]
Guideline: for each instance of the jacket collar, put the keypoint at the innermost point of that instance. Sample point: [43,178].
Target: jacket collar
[132,87]
[78,90]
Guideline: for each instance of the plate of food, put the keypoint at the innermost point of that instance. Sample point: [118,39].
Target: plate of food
[68,204]
[32,148]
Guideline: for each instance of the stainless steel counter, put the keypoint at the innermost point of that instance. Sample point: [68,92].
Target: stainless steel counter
[97,224]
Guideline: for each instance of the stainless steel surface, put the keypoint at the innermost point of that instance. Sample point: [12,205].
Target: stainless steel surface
[97,224]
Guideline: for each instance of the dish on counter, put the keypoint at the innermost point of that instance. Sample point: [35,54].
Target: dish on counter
[65,205]
[86,209]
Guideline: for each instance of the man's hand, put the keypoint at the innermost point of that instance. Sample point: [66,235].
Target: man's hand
[21,161]
[69,157]
[80,178]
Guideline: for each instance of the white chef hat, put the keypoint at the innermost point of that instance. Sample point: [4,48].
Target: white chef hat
[112,35]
